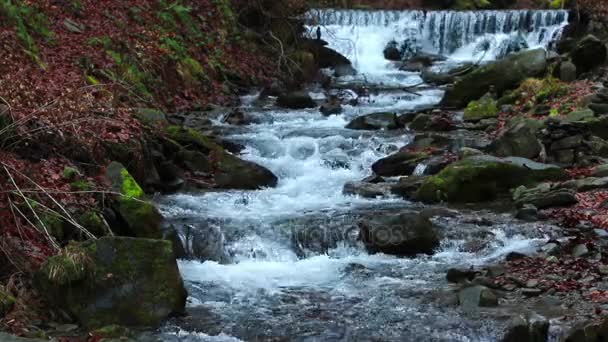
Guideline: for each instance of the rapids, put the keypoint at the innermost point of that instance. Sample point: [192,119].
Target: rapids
[280,286]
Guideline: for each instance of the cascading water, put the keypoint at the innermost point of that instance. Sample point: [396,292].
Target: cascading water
[463,36]
[293,268]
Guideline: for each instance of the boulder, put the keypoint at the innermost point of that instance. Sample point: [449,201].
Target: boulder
[201,154]
[203,242]
[445,77]
[503,74]
[580,115]
[470,298]
[483,178]
[366,190]
[114,280]
[527,327]
[405,234]
[140,217]
[237,118]
[421,122]
[402,163]
[375,121]
[519,140]
[296,100]
[591,331]
[391,51]
[455,275]
[331,107]
[589,53]
[407,186]
[544,196]
[484,108]
[567,71]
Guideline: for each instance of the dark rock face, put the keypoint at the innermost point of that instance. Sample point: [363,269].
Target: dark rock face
[375,121]
[331,107]
[391,52]
[203,242]
[296,100]
[503,75]
[115,280]
[405,234]
[402,163]
[589,53]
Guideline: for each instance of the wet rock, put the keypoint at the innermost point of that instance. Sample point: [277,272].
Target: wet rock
[367,190]
[229,172]
[402,163]
[586,184]
[139,217]
[237,118]
[580,250]
[567,71]
[551,248]
[543,197]
[473,297]
[481,109]
[405,234]
[421,122]
[496,270]
[513,256]
[375,121]
[601,233]
[600,171]
[503,74]
[440,78]
[593,331]
[589,53]
[328,58]
[483,178]
[518,140]
[466,152]
[529,327]
[318,239]
[204,242]
[455,275]
[296,100]
[331,107]
[407,186]
[528,212]
[114,280]
[373,179]
[392,52]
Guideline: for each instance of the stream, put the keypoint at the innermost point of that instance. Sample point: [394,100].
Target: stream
[287,265]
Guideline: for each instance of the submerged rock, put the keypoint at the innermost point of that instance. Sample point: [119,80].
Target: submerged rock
[296,100]
[405,234]
[503,74]
[114,280]
[483,178]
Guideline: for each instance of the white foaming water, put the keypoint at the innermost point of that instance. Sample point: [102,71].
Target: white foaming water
[313,157]
[460,35]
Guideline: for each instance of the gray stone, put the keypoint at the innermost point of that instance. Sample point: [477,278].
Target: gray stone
[601,233]
[296,100]
[580,115]
[600,171]
[470,298]
[367,190]
[531,292]
[529,327]
[375,121]
[550,248]
[567,143]
[599,108]
[543,197]
[567,71]
[589,53]
[580,250]
[519,140]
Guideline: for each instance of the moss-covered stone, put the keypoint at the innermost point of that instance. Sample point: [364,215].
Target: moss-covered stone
[69,173]
[503,75]
[141,217]
[6,301]
[229,171]
[114,280]
[483,178]
[93,222]
[151,116]
[483,108]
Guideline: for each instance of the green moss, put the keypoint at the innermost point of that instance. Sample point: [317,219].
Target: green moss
[69,173]
[130,188]
[476,180]
[92,222]
[484,108]
[81,185]
[71,265]
[191,138]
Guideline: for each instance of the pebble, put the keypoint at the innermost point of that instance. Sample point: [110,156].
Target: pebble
[532,283]
[552,258]
[580,250]
[602,234]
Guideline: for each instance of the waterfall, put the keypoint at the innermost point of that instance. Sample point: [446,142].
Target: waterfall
[460,35]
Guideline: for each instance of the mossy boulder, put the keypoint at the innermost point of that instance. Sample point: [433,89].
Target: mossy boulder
[229,171]
[114,280]
[503,74]
[590,52]
[140,217]
[6,301]
[483,178]
[484,108]
[519,139]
